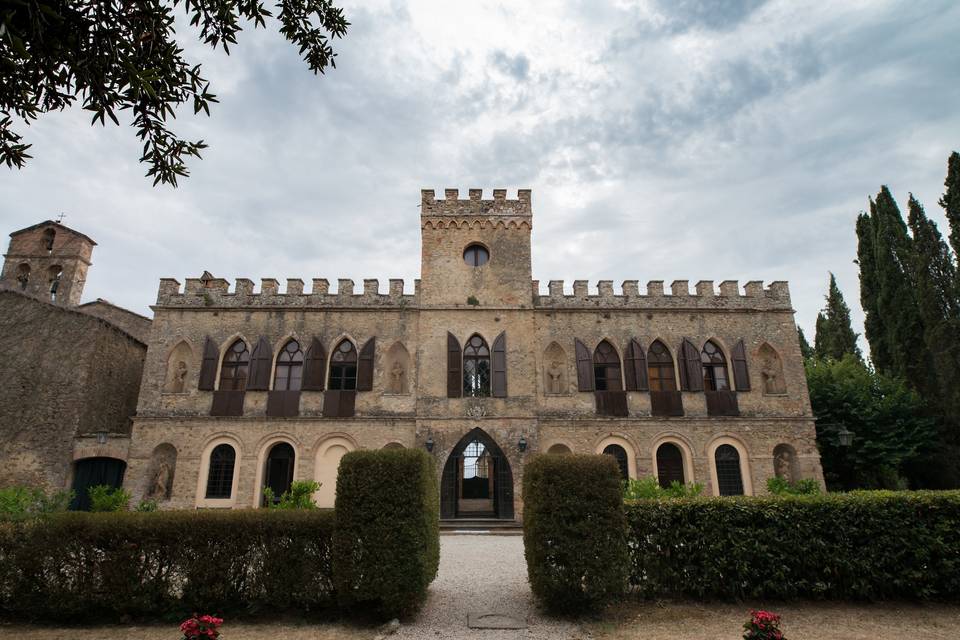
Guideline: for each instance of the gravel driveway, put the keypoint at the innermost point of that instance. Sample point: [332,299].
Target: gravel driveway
[482,574]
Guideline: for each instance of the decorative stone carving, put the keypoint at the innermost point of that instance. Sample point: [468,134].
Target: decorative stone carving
[397,378]
[785,463]
[178,369]
[555,373]
[555,370]
[771,370]
[161,482]
[476,409]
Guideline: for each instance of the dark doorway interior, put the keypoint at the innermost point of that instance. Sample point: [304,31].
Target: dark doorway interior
[278,474]
[477,481]
[92,472]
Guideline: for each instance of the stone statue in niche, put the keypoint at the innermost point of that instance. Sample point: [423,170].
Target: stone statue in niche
[772,375]
[783,465]
[178,381]
[555,372]
[396,378]
[161,482]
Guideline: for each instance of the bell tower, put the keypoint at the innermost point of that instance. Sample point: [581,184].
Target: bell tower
[48,261]
[475,251]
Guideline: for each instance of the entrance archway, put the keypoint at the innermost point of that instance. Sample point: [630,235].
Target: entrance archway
[477,480]
[278,470]
[92,472]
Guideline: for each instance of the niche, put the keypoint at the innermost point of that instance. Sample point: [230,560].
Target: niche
[785,463]
[555,377]
[771,370]
[396,372]
[163,463]
[178,368]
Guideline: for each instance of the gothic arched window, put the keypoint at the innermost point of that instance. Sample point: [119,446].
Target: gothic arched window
[606,368]
[220,476]
[660,368]
[289,370]
[476,367]
[343,367]
[714,368]
[236,364]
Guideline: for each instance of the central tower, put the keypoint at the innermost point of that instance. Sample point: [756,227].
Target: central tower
[475,251]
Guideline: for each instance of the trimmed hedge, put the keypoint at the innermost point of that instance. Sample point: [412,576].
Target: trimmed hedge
[105,566]
[862,545]
[386,548]
[574,531]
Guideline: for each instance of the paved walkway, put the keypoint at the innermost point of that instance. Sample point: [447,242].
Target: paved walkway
[482,574]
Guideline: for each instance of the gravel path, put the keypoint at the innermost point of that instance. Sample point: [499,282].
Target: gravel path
[482,574]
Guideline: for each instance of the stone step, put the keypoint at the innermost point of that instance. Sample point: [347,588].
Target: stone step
[493,526]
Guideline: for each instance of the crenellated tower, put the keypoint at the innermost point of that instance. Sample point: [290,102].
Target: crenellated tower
[49,261]
[475,251]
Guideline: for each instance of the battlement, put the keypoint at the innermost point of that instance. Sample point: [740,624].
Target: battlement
[705,296]
[475,205]
[215,292]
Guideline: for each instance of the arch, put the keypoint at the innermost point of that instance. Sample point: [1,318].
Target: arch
[393,445]
[556,374]
[54,273]
[686,452]
[476,367]
[288,366]
[327,465]
[160,473]
[661,372]
[235,366]
[742,458]
[500,475]
[23,275]
[714,365]
[93,472]
[628,449]
[278,470]
[47,239]
[607,374]
[179,361]
[342,374]
[786,465]
[559,448]
[222,498]
[669,461]
[397,369]
[771,370]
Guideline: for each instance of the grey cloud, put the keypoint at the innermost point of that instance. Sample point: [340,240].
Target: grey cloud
[517,66]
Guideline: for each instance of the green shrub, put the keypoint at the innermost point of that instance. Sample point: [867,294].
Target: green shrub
[574,531]
[649,489]
[102,566]
[387,540]
[865,545]
[298,496]
[104,498]
[782,487]
[147,505]
[25,502]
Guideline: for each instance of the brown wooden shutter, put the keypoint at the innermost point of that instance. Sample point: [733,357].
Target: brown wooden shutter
[261,361]
[365,366]
[283,404]
[314,367]
[500,366]
[584,366]
[331,404]
[454,362]
[348,400]
[635,361]
[691,369]
[208,369]
[741,376]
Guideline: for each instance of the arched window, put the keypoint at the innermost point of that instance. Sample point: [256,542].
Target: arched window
[476,368]
[343,367]
[476,255]
[223,458]
[278,474]
[289,370]
[714,368]
[23,276]
[236,363]
[729,478]
[620,455]
[48,236]
[606,368]
[54,274]
[660,368]
[669,464]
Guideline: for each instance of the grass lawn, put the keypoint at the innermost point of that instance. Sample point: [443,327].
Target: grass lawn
[801,621]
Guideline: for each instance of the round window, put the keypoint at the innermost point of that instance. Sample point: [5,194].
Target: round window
[476,255]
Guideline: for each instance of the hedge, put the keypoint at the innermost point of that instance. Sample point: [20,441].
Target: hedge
[574,531]
[387,541]
[107,566]
[863,545]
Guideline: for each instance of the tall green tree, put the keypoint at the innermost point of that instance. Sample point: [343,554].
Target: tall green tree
[835,336]
[120,55]
[805,349]
[951,200]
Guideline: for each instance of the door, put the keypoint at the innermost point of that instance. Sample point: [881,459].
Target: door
[92,472]
[476,480]
[278,474]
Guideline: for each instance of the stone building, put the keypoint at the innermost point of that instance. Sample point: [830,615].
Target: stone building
[245,388]
[70,372]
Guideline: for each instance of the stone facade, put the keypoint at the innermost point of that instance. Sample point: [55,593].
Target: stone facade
[534,402]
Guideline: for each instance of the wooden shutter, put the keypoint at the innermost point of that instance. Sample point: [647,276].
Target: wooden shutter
[584,366]
[227,403]
[283,404]
[691,369]
[331,404]
[635,361]
[208,369]
[314,367]
[454,362]
[347,402]
[365,366]
[261,361]
[741,376]
[500,366]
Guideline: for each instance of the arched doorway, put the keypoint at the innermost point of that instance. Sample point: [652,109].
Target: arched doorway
[278,470]
[477,481]
[92,472]
[620,455]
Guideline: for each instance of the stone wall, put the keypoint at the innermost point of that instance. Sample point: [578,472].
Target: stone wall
[135,324]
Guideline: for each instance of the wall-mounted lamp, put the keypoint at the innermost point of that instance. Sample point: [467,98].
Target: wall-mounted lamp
[522,445]
[845,436]
[429,444]
[101,437]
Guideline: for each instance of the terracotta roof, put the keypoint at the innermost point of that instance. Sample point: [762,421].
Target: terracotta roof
[59,227]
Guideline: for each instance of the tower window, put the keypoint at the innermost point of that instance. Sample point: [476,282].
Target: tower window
[476,255]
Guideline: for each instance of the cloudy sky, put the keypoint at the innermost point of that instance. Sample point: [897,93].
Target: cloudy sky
[672,139]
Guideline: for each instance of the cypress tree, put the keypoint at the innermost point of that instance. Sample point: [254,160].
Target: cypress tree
[951,200]
[805,349]
[835,337]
